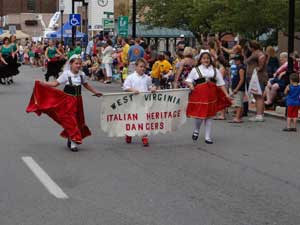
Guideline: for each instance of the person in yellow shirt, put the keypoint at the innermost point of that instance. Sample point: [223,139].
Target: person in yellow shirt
[124,54]
[162,68]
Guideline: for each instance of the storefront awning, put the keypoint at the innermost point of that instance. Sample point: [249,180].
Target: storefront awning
[159,32]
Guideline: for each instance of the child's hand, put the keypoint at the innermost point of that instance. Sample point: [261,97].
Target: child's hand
[136,92]
[175,84]
[98,94]
[192,87]
[153,89]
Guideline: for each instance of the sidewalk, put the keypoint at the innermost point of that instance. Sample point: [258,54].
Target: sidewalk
[279,112]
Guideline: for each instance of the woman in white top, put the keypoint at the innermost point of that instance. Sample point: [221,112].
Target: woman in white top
[208,95]
[66,108]
[107,60]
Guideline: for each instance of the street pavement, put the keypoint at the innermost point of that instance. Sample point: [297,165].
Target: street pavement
[249,176]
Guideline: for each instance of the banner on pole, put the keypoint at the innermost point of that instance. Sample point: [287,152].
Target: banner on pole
[145,113]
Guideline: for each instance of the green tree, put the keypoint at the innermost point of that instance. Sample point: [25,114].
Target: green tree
[251,18]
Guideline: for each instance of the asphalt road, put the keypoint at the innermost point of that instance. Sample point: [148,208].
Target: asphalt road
[250,176]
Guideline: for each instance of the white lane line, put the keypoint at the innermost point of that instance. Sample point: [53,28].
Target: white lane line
[44,178]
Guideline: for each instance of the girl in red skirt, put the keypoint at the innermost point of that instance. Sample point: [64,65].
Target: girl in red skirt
[208,94]
[64,107]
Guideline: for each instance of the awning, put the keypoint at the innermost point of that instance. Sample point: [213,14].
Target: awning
[19,34]
[158,32]
[67,32]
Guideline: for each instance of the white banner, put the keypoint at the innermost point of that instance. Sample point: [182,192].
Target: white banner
[145,113]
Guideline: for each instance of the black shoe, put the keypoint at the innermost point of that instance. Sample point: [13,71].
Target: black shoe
[69,143]
[287,129]
[208,141]
[294,129]
[74,149]
[195,136]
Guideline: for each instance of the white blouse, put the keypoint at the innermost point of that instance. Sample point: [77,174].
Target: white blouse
[75,78]
[207,72]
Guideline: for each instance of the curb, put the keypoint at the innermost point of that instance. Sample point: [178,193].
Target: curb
[270,114]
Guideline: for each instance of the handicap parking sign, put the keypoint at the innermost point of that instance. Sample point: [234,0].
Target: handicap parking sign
[74,20]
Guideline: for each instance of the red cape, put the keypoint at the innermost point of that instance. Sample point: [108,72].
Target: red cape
[206,100]
[66,110]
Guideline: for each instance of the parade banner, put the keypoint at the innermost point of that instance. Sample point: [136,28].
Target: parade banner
[144,113]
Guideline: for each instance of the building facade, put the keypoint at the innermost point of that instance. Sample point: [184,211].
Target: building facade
[26,15]
[97,11]
[92,13]
[27,6]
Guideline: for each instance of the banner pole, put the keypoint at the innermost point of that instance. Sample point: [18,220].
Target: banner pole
[158,91]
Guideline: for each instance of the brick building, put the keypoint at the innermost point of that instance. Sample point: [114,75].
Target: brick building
[24,14]
[27,6]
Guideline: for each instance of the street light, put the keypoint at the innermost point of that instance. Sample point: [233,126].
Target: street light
[62,9]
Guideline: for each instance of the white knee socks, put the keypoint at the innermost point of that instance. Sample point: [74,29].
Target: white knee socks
[198,123]
[208,126]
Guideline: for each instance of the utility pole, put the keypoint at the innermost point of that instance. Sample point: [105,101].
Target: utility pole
[133,18]
[291,35]
[1,11]
[62,8]
[73,27]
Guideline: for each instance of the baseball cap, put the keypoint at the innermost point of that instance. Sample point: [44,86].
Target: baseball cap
[181,35]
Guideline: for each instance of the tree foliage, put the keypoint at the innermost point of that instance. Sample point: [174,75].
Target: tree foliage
[251,18]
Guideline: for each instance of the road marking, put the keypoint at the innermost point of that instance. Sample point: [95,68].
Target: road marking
[44,178]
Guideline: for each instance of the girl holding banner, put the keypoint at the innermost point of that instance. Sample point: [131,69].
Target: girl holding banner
[208,95]
[64,107]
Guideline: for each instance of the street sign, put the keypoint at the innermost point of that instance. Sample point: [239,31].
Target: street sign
[108,23]
[123,26]
[123,33]
[74,19]
[12,29]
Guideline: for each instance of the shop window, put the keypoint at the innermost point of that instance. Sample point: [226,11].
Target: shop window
[31,5]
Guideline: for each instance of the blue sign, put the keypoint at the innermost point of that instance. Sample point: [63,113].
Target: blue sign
[74,19]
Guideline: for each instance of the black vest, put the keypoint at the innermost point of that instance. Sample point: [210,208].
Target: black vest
[73,89]
[202,79]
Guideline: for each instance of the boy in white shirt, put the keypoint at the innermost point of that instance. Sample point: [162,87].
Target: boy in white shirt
[138,82]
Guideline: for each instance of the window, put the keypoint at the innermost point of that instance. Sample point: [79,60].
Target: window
[31,5]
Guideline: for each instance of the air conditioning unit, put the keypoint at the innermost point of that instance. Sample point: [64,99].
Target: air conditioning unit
[38,17]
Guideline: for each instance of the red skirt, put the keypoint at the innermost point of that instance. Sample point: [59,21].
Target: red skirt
[206,100]
[66,110]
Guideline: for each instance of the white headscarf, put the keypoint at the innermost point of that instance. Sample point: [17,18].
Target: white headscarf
[67,64]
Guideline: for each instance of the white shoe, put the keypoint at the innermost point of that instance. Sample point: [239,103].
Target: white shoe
[257,119]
